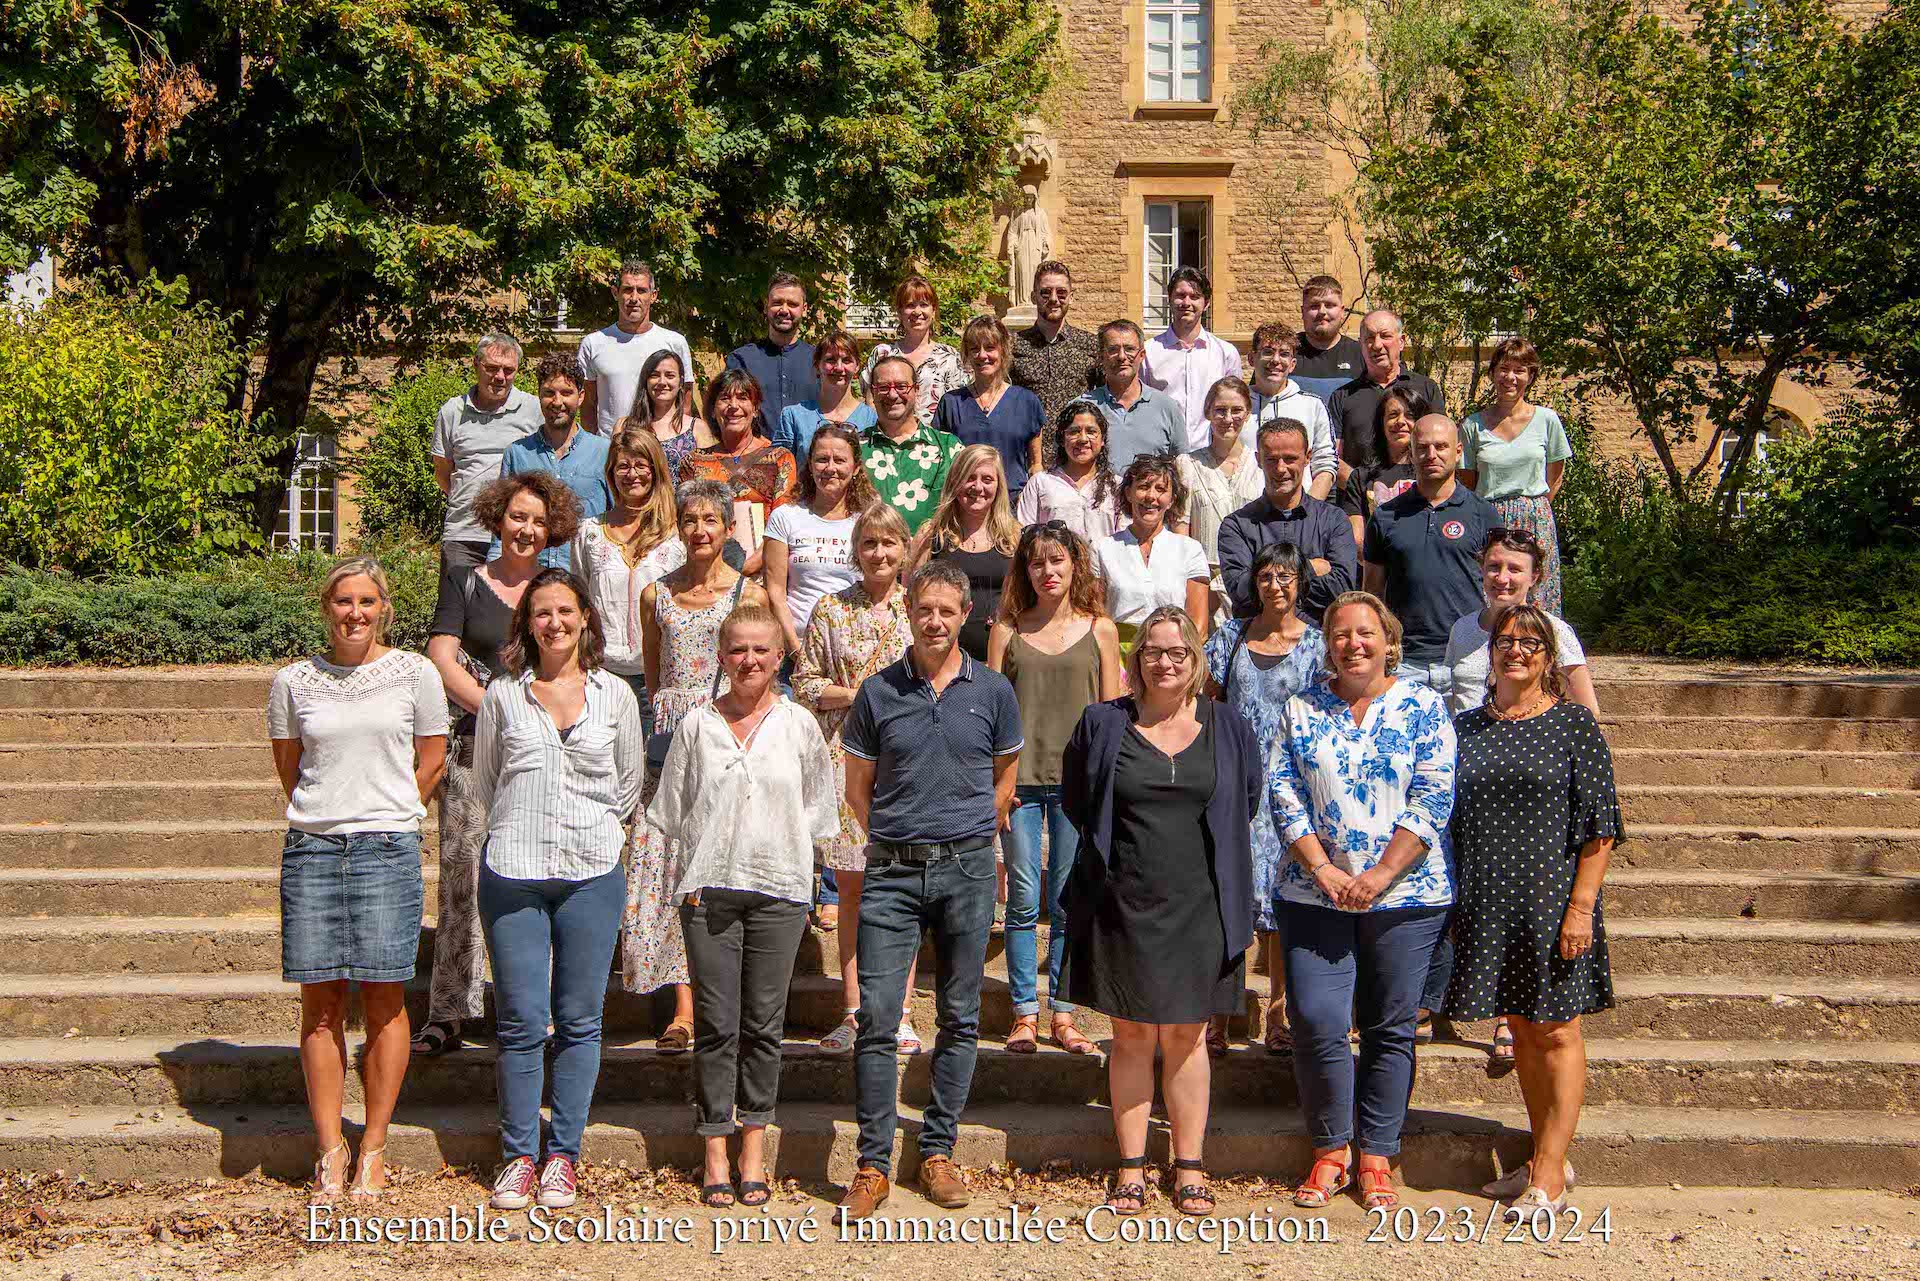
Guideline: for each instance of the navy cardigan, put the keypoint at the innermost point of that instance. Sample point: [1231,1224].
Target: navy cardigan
[1086,794]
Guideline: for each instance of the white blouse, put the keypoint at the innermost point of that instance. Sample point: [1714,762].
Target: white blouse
[1052,495]
[1136,586]
[747,817]
[616,588]
[356,727]
[1213,495]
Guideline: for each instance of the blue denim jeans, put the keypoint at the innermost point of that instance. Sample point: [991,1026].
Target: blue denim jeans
[952,897]
[1038,805]
[551,943]
[1365,970]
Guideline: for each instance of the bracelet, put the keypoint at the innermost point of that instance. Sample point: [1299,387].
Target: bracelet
[1314,869]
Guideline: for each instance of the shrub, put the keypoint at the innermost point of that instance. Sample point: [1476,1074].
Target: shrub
[122,447]
[247,610]
[1854,483]
[393,471]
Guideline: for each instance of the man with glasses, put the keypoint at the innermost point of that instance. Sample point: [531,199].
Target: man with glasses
[1140,420]
[1051,358]
[932,742]
[906,461]
[470,437]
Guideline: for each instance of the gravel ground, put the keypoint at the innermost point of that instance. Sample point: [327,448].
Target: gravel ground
[253,1228]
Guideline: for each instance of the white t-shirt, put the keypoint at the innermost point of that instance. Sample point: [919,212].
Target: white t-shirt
[613,358]
[356,727]
[1136,587]
[1469,655]
[473,440]
[819,557]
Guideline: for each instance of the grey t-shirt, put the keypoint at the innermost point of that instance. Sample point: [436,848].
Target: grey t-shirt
[473,440]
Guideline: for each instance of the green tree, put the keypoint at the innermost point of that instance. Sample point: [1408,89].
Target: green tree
[325,171]
[1677,215]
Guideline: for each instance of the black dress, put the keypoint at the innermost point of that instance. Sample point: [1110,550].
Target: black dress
[1527,795]
[986,577]
[1153,952]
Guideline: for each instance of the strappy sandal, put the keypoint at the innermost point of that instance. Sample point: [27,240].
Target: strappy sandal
[1500,1058]
[328,1185]
[1377,1191]
[677,1039]
[1312,1194]
[1188,1196]
[754,1194]
[1279,1038]
[1025,1036]
[360,1191]
[717,1196]
[1134,1190]
[435,1039]
[1071,1039]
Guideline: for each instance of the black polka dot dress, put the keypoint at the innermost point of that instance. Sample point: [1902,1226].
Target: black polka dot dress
[1527,795]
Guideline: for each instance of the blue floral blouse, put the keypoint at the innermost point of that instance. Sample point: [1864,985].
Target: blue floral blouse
[1354,784]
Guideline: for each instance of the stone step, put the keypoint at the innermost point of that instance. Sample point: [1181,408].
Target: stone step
[1748,694]
[1669,945]
[91,845]
[815,1143]
[147,1071]
[199,892]
[1770,806]
[118,802]
[1775,733]
[136,762]
[1865,850]
[150,725]
[1784,767]
[1806,896]
[146,687]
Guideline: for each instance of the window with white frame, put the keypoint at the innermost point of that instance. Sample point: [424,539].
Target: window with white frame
[1179,58]
[1730,441]
[1176,237]
[307,512]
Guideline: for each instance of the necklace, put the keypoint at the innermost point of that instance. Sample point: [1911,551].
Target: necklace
[1519,713]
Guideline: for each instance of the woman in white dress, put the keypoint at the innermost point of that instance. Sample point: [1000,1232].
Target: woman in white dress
[1147,565]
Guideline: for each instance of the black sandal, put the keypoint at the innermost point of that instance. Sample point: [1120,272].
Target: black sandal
[717,1196]
[1187,1194]
[435,1039]
[754,1194]
[1135,1191]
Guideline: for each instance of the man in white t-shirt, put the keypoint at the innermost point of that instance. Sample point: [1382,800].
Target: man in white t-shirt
[612,358]
[470,434]
[1276,396]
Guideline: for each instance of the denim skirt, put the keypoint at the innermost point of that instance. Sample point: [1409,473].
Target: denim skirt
[350,907]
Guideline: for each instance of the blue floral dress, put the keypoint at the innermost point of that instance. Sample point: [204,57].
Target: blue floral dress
[1354,784]
[1258,687]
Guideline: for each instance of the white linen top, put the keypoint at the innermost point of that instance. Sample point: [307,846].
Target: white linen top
[616,588]
[1052,495]
[557,810]
[356,727]
[1137,586]
[1212,495]
[1469,654]
[747,817]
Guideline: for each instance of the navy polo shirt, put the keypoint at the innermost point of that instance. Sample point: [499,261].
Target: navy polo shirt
[932,755]
[785,375]
[1432,558]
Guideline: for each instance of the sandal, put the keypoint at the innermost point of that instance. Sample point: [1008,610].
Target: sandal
[1195,1200]
[906,1039]
[1500,1057]
[435,1039]
[1025,1036]
[1071,1039]
[1312,1194]
[826,918]
[1423,1029]
[328,1184]
[1279,1038]
[1133,1190]
[840,1040]
[361,1191]
[755,1193]
[677,1039]
[1216,1041]
[717,1196]
[1376,1189]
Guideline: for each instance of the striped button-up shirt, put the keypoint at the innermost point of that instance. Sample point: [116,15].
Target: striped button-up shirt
[557,810]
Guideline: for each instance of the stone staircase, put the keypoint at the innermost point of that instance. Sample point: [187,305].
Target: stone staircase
[1764,924]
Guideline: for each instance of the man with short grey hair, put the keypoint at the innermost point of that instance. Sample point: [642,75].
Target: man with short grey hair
[470,434]
[1382,340]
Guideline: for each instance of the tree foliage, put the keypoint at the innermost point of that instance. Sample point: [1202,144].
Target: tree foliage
[1677,215]
[392,470]
[326,171]
[120,450]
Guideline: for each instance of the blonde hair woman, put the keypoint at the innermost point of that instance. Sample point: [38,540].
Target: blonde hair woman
[974,528]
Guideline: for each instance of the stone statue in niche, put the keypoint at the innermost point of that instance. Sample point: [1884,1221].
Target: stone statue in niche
[1029,243]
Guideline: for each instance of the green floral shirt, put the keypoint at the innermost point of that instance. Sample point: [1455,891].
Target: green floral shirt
[909,473]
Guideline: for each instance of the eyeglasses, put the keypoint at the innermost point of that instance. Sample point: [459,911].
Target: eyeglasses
[894,387]
[1531,646]
[1178,655]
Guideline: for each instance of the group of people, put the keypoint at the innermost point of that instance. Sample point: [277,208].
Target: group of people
[1086,622]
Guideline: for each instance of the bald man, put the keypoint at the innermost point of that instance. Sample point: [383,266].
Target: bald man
[1382,341]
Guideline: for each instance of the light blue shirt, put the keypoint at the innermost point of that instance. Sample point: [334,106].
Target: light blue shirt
[583,469]
[794,431]
[1352,785]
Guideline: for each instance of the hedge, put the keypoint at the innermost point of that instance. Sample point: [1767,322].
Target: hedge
[250,610]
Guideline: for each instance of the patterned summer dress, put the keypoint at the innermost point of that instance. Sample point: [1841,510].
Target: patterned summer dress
[848,639]
[652,951]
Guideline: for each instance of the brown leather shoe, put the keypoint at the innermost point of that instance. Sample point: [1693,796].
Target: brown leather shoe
[867,1193]
[942,1184]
